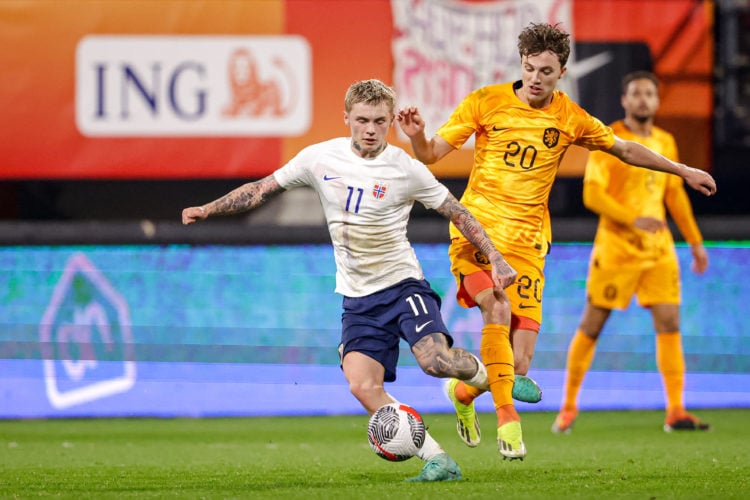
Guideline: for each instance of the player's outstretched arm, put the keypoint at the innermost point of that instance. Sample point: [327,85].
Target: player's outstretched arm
[412,124]
[242,199]
[639,155]
[503,275]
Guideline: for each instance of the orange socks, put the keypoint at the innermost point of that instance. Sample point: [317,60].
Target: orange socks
[670,361]
[497,355]
[580,355]
[466,393]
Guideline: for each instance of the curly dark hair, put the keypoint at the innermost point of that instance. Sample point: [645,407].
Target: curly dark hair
[541,37]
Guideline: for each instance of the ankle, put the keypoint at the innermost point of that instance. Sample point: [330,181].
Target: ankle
[465,393]
[507,413]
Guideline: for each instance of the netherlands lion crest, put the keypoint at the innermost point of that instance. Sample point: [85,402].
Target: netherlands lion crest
[551,136]
[481,258]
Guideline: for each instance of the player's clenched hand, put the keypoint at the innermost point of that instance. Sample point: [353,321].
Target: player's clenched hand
[193,214]
[650,224]
[410,121]
[700,181]
[503,275]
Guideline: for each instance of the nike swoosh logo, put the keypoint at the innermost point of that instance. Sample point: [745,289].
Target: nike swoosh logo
[495,129]
[326,178]
[421,327]
[526,306]
[582,67]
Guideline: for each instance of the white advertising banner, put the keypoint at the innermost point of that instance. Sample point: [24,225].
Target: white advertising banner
[444,49]
[134,85]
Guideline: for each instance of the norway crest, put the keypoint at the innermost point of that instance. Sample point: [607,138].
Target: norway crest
[379,189]
[551,136]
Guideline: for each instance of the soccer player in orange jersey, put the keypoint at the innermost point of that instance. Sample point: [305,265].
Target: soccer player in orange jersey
[522,130]
[634,254]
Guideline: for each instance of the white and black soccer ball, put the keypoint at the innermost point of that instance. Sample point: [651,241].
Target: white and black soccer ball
[396,432]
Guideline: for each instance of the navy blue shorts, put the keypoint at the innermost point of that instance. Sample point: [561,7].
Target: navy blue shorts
[374,324]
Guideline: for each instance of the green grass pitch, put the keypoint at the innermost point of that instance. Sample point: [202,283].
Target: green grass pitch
[609,455]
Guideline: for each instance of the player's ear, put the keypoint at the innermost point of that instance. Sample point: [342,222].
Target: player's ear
[563,71]
[346,118]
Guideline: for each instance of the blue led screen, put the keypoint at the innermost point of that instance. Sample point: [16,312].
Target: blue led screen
[253,330]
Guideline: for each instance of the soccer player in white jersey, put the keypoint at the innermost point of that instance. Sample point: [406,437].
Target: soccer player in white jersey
[367,188]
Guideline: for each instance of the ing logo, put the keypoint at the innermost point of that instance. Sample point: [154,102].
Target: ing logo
[193,85]
[86,339]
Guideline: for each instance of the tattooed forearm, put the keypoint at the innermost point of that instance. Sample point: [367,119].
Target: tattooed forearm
[503,275]
[245,197]
[467,224]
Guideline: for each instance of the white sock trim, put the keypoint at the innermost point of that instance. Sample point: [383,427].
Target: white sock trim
[479,380]
[430,448]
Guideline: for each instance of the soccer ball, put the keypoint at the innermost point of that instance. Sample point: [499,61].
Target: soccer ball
[396,432]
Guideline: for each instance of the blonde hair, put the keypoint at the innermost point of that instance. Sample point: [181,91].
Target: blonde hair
[371,92]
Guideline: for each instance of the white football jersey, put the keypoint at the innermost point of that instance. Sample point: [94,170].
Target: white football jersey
[367,204]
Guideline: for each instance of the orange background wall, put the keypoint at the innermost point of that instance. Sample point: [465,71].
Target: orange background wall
[39,112]
[350,40]
[680,36]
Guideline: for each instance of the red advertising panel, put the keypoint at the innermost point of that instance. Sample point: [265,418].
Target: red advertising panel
[91,71]
[180,89]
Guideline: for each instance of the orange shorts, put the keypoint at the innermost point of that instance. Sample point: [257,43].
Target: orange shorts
[472,271]
[612,287]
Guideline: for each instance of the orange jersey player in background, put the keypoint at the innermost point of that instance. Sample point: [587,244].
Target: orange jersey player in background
[634,253]
[522,130]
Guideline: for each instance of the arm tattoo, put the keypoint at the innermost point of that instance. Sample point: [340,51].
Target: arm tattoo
[245,197]
[467,224]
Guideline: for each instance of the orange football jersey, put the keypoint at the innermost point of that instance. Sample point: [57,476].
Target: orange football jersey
[517,153]
[619,193]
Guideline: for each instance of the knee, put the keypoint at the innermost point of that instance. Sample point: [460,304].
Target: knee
[436,359]
[668,325]
[366,393]
[495,309]
[433,367]
[523,352]
[522,363]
